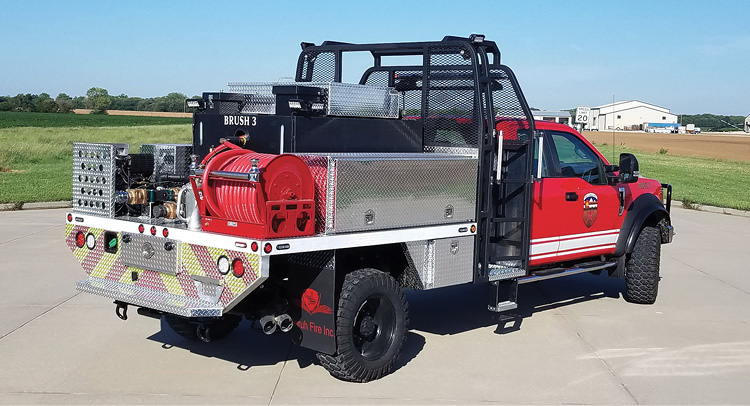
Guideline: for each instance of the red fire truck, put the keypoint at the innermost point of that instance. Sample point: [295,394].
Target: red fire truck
[308,206]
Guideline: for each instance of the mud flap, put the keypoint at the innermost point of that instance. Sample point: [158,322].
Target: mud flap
[314,299]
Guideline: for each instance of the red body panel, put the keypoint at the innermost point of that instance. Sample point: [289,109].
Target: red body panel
[564,230]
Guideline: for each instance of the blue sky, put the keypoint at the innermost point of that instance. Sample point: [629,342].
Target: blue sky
[690,56]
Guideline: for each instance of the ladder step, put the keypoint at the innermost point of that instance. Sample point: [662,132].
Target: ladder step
[503,306]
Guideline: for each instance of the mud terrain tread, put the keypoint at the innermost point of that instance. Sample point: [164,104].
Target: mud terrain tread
[357,286]
[642,270]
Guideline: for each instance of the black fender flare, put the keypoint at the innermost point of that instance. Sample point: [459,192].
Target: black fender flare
[647,209]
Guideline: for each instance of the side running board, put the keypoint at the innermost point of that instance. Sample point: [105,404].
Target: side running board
[560,272]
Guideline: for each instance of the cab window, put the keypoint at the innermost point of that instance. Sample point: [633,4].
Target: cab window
[574,159]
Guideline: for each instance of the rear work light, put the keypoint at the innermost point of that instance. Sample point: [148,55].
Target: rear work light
[80,239]
[90,241]
[223,265]
[238,268]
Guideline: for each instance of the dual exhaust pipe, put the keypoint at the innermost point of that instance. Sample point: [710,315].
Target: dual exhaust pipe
[270,323]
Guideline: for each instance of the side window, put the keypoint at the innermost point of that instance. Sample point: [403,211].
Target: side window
[545,164]
[575,158]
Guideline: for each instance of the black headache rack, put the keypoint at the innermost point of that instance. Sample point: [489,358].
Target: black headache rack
[450,102]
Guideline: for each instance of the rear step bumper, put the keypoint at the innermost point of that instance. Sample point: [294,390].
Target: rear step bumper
[144,297]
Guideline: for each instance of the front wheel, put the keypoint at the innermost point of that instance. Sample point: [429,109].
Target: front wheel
[370,327]
[642,268]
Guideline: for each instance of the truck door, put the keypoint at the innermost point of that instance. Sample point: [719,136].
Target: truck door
[576,190]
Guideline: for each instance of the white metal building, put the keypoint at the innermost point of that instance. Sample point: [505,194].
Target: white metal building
[562,117]
[628,115]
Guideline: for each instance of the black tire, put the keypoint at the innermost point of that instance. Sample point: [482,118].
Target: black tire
[642,268]
[371,326]
[217,328]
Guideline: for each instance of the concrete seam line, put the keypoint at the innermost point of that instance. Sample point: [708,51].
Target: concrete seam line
[278,379]
[29,235]
[593,351]
[709,275]
[38,316]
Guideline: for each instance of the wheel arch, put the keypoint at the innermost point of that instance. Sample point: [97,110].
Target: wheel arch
[646,210]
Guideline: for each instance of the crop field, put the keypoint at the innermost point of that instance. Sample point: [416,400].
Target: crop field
[712,145]
[12,119]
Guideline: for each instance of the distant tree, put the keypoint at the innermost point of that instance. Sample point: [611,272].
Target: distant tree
[145,105]
[64,103]
[172,102]
[23,102]
[79,102]
[44,104]
[98,100]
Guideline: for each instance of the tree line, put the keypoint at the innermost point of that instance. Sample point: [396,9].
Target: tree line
[97,99]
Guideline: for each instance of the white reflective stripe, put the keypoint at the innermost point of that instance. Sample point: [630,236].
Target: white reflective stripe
[562,254]
[569,236]
[544,248]
[587,241]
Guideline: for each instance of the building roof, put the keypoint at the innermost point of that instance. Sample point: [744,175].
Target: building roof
[545,113]
[613,105]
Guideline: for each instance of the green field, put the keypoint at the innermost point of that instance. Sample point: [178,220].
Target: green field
[12,119]
[697,180]
[36,162]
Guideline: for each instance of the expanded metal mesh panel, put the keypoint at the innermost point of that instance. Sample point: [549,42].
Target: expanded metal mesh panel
[452,111]
[341,99]
[506,100]
[317,67]
[94,178]
[377,78]
[169,159]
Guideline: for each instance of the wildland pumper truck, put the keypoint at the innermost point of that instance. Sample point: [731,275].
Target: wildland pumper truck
[309,206]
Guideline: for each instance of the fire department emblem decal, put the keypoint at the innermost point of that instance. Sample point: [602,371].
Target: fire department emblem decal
[311,303]
[590,204]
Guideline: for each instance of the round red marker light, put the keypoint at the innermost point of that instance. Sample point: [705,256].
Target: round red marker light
[153,230]
[80,239]
[267,248]
[254,246]
[238,268]
[70,217]
[141,229]
[165,232]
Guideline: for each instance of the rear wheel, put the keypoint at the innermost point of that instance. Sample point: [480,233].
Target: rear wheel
[207,331]
[642,269]
[370,327]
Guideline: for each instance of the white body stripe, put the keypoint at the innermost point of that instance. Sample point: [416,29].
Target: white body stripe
[573,243]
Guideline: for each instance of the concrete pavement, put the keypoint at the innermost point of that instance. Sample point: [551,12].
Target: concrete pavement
[572,340]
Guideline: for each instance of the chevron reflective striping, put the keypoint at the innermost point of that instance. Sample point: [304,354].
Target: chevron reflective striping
[193,260]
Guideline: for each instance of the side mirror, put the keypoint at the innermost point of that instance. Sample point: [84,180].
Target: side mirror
[628,168]
[609,170]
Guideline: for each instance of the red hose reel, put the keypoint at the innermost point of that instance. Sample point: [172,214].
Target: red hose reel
[245,193]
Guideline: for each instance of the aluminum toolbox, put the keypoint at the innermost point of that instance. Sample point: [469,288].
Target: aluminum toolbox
[362,192]
[341,99]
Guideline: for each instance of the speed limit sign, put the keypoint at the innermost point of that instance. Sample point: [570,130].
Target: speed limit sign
[582,114]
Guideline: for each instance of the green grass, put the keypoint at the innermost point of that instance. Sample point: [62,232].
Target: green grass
[36,163]
[11,119]
[40,159]
[708,181]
